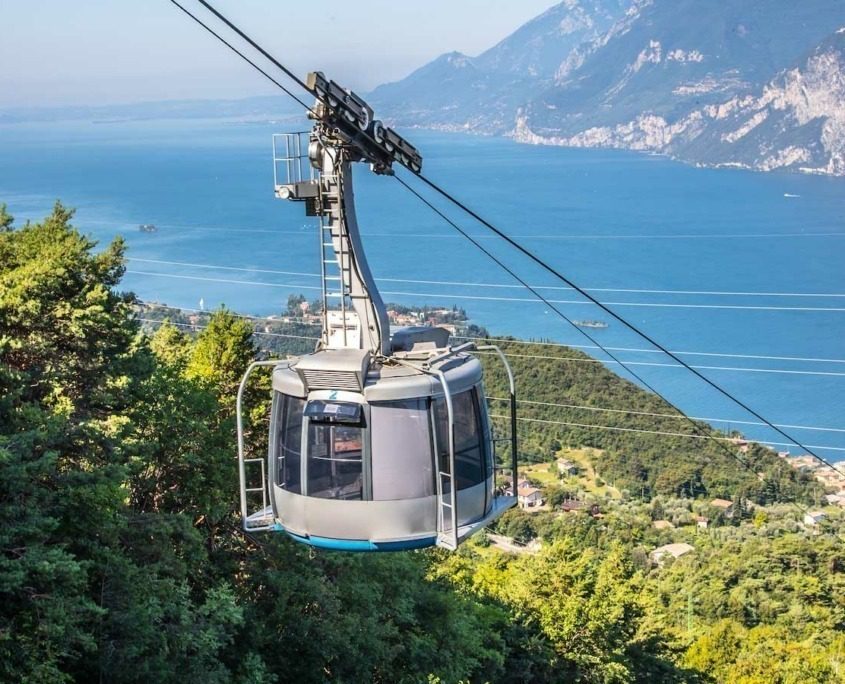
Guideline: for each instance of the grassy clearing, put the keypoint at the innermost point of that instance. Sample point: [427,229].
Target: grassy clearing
[586,480]
[544,473]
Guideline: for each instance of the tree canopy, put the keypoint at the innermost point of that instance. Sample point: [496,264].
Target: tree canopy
[122,560]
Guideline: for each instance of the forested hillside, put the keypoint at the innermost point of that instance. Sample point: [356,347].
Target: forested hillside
[553,381]
[122,558]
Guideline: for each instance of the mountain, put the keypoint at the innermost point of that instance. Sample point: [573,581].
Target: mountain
[751,83]
[482,93]
[796,121]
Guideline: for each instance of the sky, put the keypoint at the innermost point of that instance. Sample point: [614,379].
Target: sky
[89,52]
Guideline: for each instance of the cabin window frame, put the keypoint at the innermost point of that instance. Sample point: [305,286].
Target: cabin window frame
[443,465]
[280,427]
[424,411]
[366,475]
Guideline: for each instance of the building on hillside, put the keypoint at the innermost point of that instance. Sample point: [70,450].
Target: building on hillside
[723,505]
[663,525]
[741,444]
[529,497]
[702,522]
[571,505]
[659,555]
[813,518]
[832,477]
[805,462]
[567,467]
[833,499]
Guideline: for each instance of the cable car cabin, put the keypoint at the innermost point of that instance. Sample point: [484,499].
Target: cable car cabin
[370,455]
[377,441]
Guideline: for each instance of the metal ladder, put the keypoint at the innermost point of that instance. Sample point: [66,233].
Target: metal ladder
[447,491]
[335,260]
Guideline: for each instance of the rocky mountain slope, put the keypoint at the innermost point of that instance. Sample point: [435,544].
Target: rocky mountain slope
[751,83]
[482,93]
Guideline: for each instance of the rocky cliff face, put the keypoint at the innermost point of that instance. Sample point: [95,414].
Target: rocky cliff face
[750,83]
[796,121]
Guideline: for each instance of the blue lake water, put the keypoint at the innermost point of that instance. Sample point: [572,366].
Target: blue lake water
[629,226]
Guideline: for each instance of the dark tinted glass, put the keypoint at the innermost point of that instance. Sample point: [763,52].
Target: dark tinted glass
[289,444]
[335,467]
[334,412]
[469,447]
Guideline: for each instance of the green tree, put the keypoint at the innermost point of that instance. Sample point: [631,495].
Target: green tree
[294,302]
[221,353]
[67,354]
[6,219]
[90,587]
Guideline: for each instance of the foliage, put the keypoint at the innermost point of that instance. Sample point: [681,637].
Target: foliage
[121,559]
[643,462]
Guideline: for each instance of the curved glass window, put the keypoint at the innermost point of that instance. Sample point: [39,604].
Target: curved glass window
[289,443]
[469,444]
[402,460]
[335,464]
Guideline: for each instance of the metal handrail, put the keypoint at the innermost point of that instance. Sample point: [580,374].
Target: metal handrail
[242,460]
[296,162]
[453,490]
[452,351]
[512,390]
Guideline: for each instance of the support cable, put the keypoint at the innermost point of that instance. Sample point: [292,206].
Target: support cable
[241,54]
[633,328]
[701,433]
[513,243]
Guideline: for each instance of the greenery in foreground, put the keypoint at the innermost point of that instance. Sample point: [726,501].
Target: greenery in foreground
[121,558]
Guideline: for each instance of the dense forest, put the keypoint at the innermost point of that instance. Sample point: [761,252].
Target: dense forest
[123,561]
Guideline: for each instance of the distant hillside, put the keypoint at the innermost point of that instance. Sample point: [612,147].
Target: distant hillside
[264,107]
[483,93]
[724,82]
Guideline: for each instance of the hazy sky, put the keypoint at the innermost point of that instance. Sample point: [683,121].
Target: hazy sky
[109,51]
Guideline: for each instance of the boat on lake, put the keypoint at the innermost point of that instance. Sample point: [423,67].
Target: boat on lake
[147,228]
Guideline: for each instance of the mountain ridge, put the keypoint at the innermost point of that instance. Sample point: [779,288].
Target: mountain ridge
[692,80]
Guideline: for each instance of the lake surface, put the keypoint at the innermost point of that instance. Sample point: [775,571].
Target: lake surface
[713,263]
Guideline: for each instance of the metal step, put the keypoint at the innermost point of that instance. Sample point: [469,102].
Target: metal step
[446,540]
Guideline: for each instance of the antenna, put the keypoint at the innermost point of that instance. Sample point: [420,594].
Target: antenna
[317,169]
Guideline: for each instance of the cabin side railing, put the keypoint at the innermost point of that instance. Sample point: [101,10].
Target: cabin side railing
[253,519]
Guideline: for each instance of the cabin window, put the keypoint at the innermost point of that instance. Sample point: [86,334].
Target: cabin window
[335,466]
[289,443]
[469,443]
[402,464]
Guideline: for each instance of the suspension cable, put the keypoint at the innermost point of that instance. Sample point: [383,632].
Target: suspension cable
[513,243]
